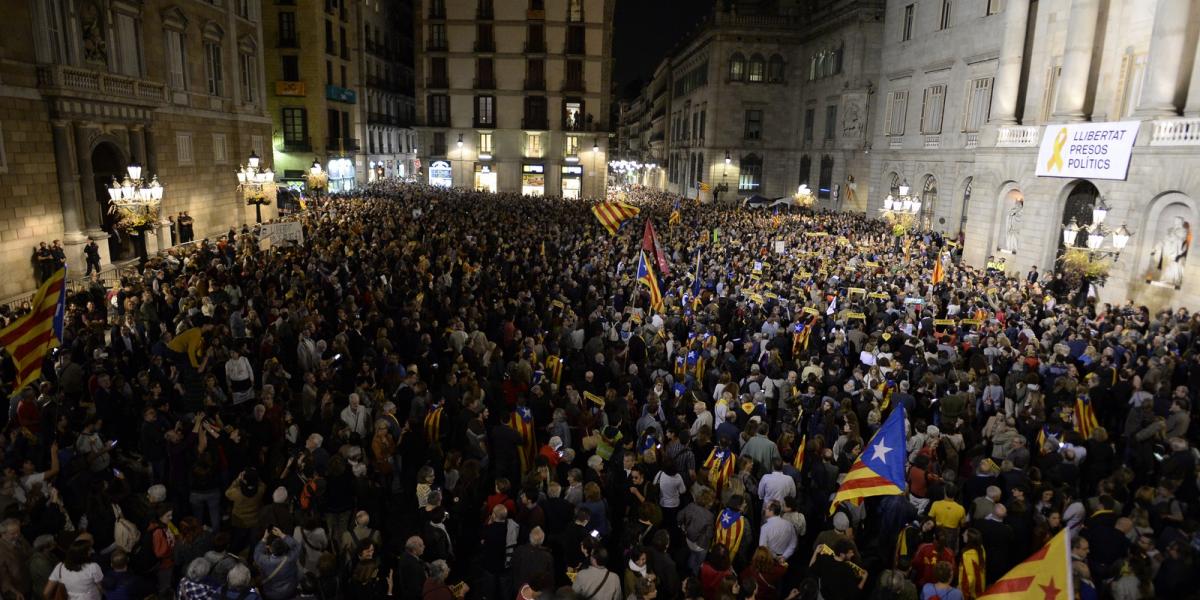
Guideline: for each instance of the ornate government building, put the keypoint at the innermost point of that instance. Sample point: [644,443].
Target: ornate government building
[1009,119]
[175,86]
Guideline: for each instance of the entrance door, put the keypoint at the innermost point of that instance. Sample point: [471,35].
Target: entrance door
[107,164]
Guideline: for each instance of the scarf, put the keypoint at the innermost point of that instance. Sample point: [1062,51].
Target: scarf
[633,566]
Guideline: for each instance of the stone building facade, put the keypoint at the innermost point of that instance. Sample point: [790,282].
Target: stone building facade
[513,95]
[385,61]
[177,88]
[1042,67]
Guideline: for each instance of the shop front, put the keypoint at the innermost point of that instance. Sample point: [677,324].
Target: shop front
[533,180]
[341,174]
[572,181]
[485,178]
[439,174]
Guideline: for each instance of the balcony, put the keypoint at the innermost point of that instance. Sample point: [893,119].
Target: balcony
[576,47]
[535,123]
[64,80]
[485,45]
[342,144]
[437,46]
[437,150]
[895,142]
[535,47]
[289,88]
[378,49]
[535,85]
[479,124]
[438,83]
[573,85]
[382,119]
[484,83]
[972,140]
[288,43]
[535,14]
[932,142]
[1176,132]
[1018,136]
[296,145]
[485,14]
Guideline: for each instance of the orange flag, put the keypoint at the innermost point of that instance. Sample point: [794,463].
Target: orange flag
[939,272]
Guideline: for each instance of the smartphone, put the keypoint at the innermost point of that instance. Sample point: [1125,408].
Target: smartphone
[112,444]
[337,357]
[596,533]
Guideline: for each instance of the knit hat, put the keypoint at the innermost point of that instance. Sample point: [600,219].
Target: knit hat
[841,522]
[280,496]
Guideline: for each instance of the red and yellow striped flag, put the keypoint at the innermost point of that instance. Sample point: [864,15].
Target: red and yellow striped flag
[730,528]
[30,338]
[433,424]
[798,461]
[1044,576]
[720,464]
[1085,417]
[522,421]
[612,214]
[939,272]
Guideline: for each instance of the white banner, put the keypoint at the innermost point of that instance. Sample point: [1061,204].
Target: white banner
[1088,150]
[279,233]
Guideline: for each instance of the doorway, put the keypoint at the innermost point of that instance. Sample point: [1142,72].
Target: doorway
[108,163]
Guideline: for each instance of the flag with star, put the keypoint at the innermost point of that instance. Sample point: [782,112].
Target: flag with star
[879,470]
[1044,576]
[1085,416]
[731,526]
[798,460]
[720,464]
[522,421]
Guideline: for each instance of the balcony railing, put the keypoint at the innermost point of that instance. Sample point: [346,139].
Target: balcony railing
[382,119]
[972,140]
[895,142]
[342,144]
[296,145]
[1018,136]
[573,85]
[485,45]
[535,84]
[485,14]
[535,47]
[64,78]
[486,83]
[535,14]
[535,123]
[1176,132]
[288,43]
[437,83]
[576,48]
[933,142]
[489,124]
[437,46]
[437,150]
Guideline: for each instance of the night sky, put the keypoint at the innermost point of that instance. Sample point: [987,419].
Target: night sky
[645,30]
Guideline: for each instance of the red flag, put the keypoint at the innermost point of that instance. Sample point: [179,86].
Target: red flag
[650,244]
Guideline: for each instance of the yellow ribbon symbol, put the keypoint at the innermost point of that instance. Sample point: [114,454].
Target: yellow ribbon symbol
[1056,159]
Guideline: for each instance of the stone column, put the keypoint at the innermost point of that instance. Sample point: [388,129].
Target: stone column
[1166,55]
[1008,71]
[136,152]
[1077,60]
[93,219]
[68,195]
[150,163]
[1192,109]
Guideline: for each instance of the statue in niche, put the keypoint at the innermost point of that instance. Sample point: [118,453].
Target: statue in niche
[91,25]
[1170,255]
[1012,226]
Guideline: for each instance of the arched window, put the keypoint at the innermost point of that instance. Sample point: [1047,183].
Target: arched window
[737,67]
[758,68]
[929,194]
[775,69]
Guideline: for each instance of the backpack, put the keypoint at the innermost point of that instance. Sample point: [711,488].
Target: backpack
[141,558]
[313,489]
[126,535]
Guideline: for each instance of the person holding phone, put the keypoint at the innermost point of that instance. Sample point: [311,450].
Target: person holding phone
[96,451]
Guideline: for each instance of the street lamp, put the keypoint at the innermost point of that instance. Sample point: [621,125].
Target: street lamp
[257,185]
[136,203]
[722,187]
[318,179]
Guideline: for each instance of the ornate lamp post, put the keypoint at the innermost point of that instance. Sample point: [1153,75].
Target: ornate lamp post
[722,187]
[135,203]
[317,179]
[1093,260]
[901,211]
[256,184]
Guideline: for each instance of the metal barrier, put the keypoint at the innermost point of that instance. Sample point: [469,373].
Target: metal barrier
[110,276]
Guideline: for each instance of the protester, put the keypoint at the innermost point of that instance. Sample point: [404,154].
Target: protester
[481,379]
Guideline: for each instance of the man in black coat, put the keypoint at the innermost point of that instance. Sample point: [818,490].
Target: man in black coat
[531,559]
[997,542]
[412,570]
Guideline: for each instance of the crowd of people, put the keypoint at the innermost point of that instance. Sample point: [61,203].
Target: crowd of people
[449,394]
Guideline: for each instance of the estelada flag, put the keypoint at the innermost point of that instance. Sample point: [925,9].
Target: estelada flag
[1044,576]
[645,276]
[612,214]
[29,338]
[1085,417]
[522,421]
[879,470]
[720,464]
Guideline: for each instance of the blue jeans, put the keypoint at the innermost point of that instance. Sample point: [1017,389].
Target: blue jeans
[211,500]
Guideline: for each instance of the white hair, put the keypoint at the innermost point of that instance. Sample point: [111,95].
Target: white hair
[198,569]
[238,577]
